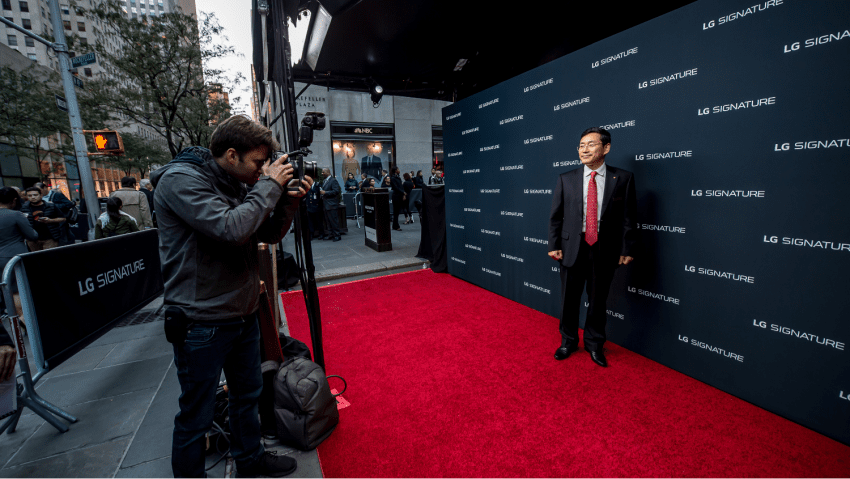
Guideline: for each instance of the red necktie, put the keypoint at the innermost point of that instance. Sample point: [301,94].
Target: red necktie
[592,200]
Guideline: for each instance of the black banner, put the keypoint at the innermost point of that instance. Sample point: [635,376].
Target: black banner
[733,116]
[79,291]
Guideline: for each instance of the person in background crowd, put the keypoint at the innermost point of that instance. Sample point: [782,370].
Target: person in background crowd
[398,196]
[387,183]
[315,212]
[22,198]
[351,184]
[331,194]
[147,190]
[114,222]
[405,204]
[418,180]
[435,178]
[7,355]
[363,177]
[64,205]
[45,218]
[383,176]
[14,229]
[135,202]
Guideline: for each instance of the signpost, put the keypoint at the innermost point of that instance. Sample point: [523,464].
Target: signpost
[77,82]
[83,60]
[61,103]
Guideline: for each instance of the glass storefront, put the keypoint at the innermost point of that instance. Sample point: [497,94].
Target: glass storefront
[437,147]
[361,148]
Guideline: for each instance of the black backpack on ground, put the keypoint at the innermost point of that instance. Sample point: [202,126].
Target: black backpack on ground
[305,410]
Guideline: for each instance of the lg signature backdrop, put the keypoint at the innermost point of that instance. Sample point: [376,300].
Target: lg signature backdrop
[735,118]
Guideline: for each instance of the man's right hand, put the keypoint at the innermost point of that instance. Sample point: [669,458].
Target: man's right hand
[7,362]
[279,171]
[557,255]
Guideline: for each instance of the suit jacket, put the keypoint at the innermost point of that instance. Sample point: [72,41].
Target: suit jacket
[332,193]
[372,168]
[397,186]
[617,228]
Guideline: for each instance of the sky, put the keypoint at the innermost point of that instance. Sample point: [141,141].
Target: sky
[235,17]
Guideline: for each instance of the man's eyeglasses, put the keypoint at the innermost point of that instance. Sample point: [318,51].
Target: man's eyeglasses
[591,145]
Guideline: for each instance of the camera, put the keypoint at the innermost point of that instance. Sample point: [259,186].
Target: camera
[313,120]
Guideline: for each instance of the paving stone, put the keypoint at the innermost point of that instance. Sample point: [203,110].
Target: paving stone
[148,347]
[153,439]
[85,360]
[119,335]
[104,382]
[98,422]
[11,442]
[96,461]
[157,468]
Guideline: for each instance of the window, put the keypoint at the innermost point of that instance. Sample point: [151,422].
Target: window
[65,10]
[29,42]
[87,71]
[7,4]
[43,14]
[84,41]
[26,23]
[25,7]
[12,40]
[81,26]
[67,24]
[32,56]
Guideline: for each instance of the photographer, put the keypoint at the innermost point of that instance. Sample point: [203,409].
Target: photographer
[209,228]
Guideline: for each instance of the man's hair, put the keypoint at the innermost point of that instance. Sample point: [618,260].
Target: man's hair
[406,176]
[241,134]
[33,188]
[8,195]
[128,182]
[40,185]
[384,171]
[604,136]
[145,182]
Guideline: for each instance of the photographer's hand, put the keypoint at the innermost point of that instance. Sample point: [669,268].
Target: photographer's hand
[306,183]
[279,171]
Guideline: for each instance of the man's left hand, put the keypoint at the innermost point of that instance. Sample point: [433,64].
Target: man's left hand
[306,184]
[626,259]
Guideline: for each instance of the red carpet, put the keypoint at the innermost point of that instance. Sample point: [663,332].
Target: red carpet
[447,379]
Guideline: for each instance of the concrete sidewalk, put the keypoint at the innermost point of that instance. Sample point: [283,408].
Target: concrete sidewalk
[123,387]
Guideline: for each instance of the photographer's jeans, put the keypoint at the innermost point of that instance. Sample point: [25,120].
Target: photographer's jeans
[200,360]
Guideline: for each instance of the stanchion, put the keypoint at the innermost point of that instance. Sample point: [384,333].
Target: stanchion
[28,397]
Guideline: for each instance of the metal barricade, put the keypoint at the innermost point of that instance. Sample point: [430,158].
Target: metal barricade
[28,398]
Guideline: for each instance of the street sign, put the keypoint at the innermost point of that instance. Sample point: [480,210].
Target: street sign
[83,60]
[61,103]
[77,82]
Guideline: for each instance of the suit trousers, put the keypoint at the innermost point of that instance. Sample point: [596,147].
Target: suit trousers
[589,270]
[397,207]
[332,222]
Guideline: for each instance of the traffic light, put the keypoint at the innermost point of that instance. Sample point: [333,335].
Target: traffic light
[108,142]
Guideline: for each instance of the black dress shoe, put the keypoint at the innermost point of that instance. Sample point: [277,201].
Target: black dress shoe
[599,358]
[337,238]
[270,465]
[397,229]
[564,352]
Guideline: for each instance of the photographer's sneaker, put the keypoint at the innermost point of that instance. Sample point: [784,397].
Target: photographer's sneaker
[270,465]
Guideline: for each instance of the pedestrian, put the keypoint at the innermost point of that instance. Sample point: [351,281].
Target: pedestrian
[330,193]
[405,204]
[14,229]
[64,205]
[315,212]
[418,180]
[147,190]
[45,218]
[398,196]
[22,198]
[209,230]
[435,178]
[351,184]
[135,202]
[114,222]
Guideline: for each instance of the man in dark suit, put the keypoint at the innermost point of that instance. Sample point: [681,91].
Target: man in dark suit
[371,165]
[592,231]
[331,193]
[398,195]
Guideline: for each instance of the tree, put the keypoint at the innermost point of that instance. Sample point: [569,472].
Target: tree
[30,120]
[139,154]
[159,76]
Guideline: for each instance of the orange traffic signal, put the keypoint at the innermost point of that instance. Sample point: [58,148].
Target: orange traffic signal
[108,141]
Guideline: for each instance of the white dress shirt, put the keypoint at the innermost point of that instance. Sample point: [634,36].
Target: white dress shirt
[600,191]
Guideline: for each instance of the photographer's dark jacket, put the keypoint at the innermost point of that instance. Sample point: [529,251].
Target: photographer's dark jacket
[209,227]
